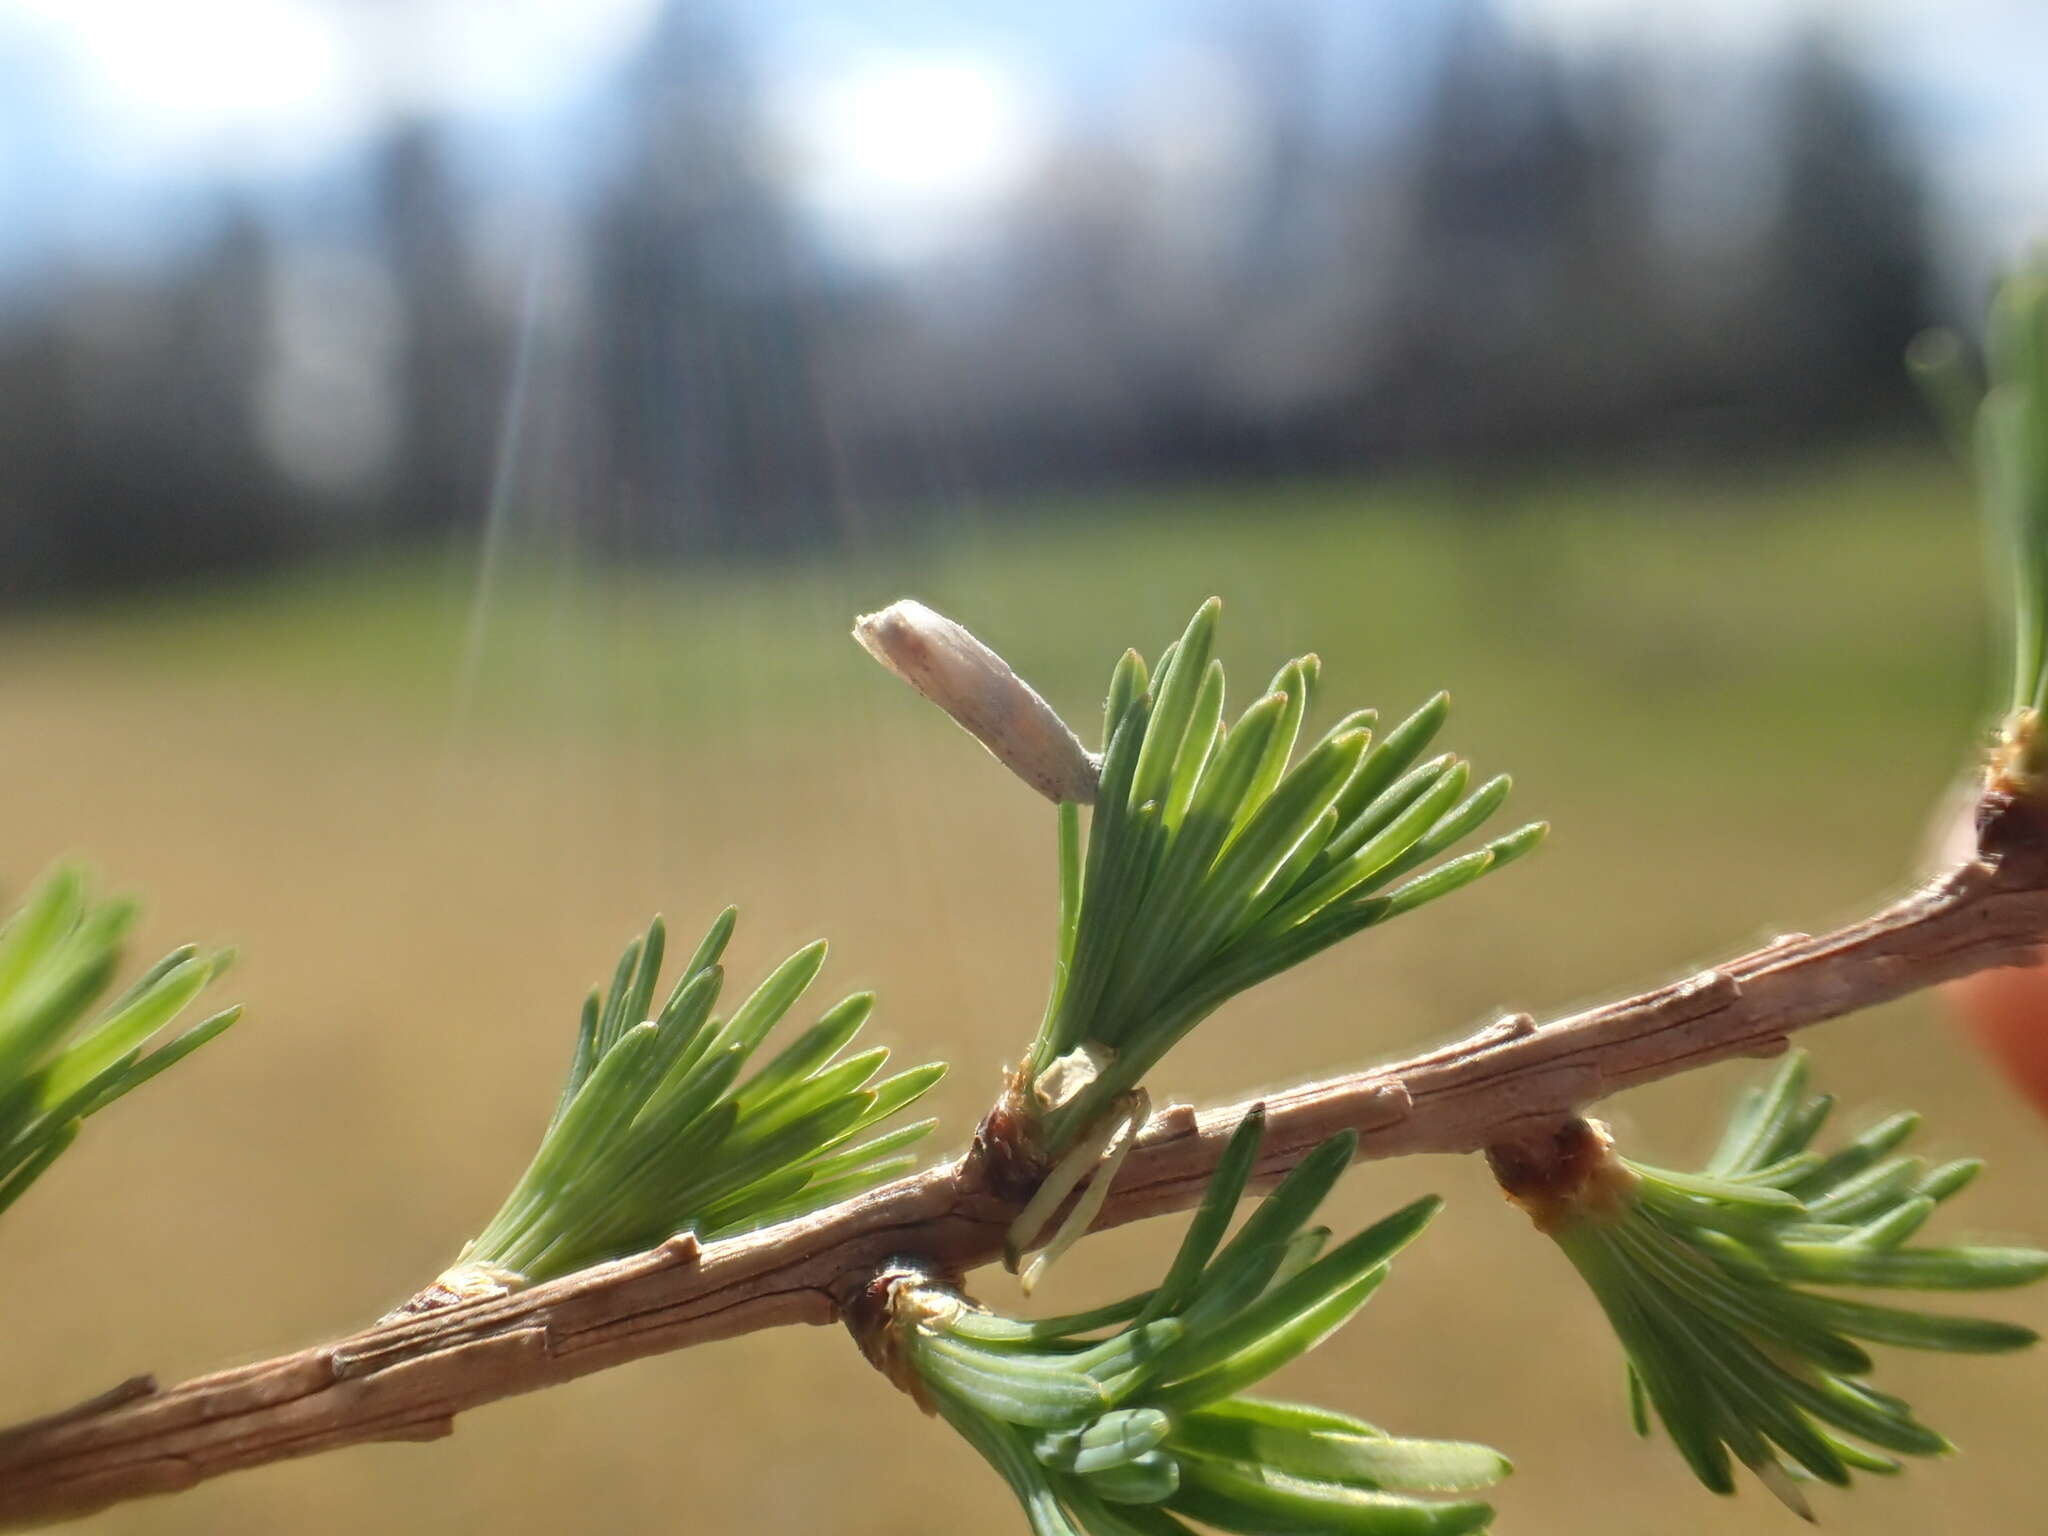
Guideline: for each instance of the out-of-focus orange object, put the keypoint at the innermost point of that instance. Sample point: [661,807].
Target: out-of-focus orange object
[2004,1010]
[2007,1011]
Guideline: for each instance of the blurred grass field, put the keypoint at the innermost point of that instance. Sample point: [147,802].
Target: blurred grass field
[430,803]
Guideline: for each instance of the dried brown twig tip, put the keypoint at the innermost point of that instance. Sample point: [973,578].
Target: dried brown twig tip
[970,682]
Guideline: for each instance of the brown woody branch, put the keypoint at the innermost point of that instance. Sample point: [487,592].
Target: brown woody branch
[406,1380]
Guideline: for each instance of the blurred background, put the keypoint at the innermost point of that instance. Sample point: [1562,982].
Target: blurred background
[442,446]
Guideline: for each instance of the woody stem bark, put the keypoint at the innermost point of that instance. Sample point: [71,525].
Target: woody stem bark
[407,1379]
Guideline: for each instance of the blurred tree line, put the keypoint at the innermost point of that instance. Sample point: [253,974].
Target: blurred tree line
[1541,259]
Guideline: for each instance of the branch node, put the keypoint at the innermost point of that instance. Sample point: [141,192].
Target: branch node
[1713,985]
[457,1287]
[1383,1101]
[894,1298]
[1563,1173]
[1007,1156]
[2012,832]
[1172,1124]
[681,1250]
[1505,1030]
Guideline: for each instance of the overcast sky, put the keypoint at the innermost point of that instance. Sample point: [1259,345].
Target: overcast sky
[901,116]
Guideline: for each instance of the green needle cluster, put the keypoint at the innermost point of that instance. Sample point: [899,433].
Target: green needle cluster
[656,1134]
[2003,431]
[58,954]
[1212,864]
[2012,459]
[1706,1279]
[1128,1432]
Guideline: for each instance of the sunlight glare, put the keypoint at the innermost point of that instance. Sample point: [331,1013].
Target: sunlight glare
[901,153]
